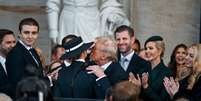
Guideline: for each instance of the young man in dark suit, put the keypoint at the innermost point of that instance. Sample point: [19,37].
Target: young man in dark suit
[128,59]
[7,42]
[23,54]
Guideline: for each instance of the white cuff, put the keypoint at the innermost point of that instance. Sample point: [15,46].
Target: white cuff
[100,77]
[50,79]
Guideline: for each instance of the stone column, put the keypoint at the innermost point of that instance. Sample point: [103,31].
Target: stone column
[127,7]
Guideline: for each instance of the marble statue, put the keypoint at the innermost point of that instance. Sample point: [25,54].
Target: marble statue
[84,18]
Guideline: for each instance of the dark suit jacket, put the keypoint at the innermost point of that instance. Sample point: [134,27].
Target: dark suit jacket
[192,95]
[16,63]
[156,90]
[114,74]
[195,93]
[138,65]
[3,81]
[75,82]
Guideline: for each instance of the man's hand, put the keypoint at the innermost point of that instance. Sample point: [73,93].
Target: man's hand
[97,70]
[136,81]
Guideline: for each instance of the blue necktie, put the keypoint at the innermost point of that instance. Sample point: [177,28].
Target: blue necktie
[124,63]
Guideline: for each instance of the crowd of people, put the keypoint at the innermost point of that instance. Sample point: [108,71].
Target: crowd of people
[113,68]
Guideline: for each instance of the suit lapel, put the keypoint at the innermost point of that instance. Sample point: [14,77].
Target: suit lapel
[64,77]
[2,70]
[38,59]
[132,63]
[68,77]
[27,56]
[108,70]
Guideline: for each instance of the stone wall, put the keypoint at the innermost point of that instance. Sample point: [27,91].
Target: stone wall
[12,11]
[177,21]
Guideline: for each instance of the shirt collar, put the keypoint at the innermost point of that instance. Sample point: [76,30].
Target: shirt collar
[128,57]
[27,47]
[106,65]
[66,63]
[81,60]
[2,59]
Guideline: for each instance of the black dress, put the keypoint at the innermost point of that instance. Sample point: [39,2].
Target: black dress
[156,90]
[192,95]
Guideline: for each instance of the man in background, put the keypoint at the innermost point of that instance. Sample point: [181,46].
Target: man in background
[7,42]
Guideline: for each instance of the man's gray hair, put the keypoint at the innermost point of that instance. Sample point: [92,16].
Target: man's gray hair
[109,46]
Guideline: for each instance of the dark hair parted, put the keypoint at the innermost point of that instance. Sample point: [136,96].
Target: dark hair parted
[125,28]
[28,21]
[4,32]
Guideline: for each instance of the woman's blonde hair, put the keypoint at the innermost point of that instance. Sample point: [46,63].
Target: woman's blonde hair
[160,45]
[196,73]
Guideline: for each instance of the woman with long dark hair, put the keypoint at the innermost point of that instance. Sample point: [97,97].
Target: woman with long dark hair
[177,61]
[188,87]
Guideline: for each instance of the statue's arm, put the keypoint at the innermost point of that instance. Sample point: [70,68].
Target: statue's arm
[53,11]
[112,15]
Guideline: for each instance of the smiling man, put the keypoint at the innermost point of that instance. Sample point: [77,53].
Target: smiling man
[23,54]
[128,58]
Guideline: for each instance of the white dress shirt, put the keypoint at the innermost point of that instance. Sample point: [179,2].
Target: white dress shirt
[3,61]
[66,63]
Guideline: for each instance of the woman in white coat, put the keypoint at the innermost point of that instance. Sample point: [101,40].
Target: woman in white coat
[83,18]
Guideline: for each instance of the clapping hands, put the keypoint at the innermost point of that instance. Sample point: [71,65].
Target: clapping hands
[136,81]
[143,81]
[171,86]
